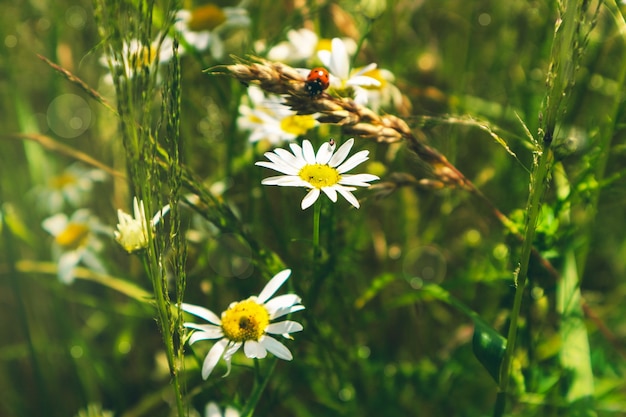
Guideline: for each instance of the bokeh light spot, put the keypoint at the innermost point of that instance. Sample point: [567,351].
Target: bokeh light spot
[69,115]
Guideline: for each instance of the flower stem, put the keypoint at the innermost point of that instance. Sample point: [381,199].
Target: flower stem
[258,389]
[164,321]
[317,209]
[540,175]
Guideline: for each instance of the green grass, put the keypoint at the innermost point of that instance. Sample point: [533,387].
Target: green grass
[496,293]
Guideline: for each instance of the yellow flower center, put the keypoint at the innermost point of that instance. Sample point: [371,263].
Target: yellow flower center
[206,17]
[319,175]
[61,181]
[143,57]
[75,235]
[376,74]
[297,125]
[324,45]
[245,320]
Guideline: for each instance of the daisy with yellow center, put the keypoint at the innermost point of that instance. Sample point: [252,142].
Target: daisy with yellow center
[387,94]
[267,118]
[300,46]
[247,323]
[342,77]
[72,188]
[204,27]
[324,171]
[137,57]
[75,241]
[132,231]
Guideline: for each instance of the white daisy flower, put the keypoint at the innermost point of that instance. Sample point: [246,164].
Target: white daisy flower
[203,27]
[384,95]
[325,171]
[75,241]
[136,56]
[247,323]
[72,187]
[337,61]
[132,232]
[267,118]
[300,46]
[213,410]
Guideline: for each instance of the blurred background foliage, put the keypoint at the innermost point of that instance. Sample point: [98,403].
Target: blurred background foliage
[376,340]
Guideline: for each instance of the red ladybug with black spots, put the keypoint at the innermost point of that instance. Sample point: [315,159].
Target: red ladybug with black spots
[317,81]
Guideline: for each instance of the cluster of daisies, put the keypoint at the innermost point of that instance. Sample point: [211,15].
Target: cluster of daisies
[255,323]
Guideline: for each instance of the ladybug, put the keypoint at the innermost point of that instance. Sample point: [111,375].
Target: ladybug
[317,81]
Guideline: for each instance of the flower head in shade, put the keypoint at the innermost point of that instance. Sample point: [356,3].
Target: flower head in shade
[322,171]
[137,57]
[342,77]
[213,410]
[248,323]
[72,188]
[132,231]
[75,241]
[267,118]
[203,27]
[300,46]
[384,95]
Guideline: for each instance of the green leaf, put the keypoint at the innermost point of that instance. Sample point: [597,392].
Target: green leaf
[489,347]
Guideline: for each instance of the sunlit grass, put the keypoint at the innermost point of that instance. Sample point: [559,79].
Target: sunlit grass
[480,275]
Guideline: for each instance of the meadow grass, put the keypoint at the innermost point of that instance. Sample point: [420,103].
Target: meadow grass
[478,275]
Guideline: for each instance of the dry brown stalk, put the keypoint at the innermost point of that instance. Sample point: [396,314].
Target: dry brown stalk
[355,119]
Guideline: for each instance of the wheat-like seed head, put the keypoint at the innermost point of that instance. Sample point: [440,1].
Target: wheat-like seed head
[355,119]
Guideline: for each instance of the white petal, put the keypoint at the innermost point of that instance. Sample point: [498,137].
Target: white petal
[324,56]
[202,312]
[212,410]
[254,349]
[280,167]
[231,349]
[339,59]
[362,96]
[297,151]
[217,47]
[276,158]
[67,262]
[324,153]
[369,67]
[283,327]
[207,328]
[286,181]
[288,158]
[331,193]
[213,357]
[349,196]
[363,81]
[273,285]
[285,310]
[55,224]
[278,180]
[91,260]
[353,161]
[341,153]
[281,301]
[276,348]
[197,336]
[230,412]
[159,214]
[359,180]
[308,152]
[310,198]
